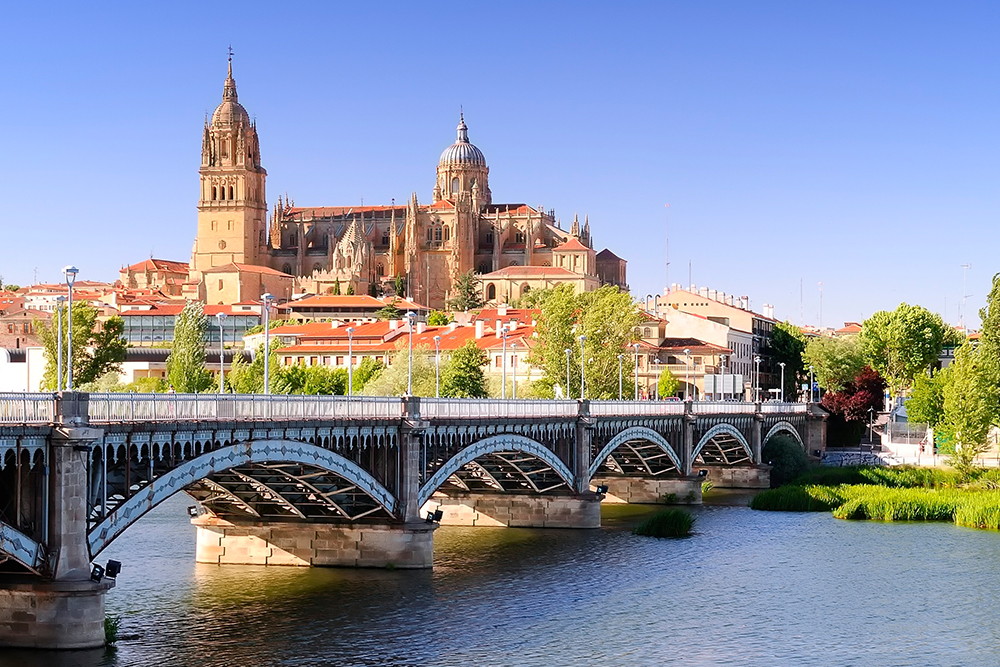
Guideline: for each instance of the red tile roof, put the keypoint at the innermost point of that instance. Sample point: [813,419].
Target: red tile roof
[160,265]
[553,272]
[246,268]
[573,244]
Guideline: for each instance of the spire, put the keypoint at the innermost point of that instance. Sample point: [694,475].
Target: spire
[463,130]
[574,230]
[229,88]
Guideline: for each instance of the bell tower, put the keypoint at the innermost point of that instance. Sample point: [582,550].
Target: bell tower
[232,213]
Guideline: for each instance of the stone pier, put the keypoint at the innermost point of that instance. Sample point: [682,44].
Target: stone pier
[403,546]
[652,490]
[515,510]
[740,477]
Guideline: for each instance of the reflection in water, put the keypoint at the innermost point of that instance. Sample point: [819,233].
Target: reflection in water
[750,588]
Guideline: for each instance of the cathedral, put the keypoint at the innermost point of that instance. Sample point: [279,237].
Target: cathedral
[369,249]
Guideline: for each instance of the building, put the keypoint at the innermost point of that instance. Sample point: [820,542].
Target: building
[364,249]
[159,275]
[346,307]
[152,325]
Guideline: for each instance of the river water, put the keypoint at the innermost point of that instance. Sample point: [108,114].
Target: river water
[750,588]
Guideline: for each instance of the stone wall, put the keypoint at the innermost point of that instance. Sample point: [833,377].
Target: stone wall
[407,546]
[508,509]
[52,614]
[739,477]
[652,490]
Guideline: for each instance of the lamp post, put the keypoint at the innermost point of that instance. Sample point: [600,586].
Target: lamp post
[221,319]
[722,378]
[503,364]
[410,316]
[70,273]
[782,364]
[583,377]
[265,304]
[810,385]
[871,427]
[350,361]
[635,346]
[513,370]
[656,375]
[437,366]
[59,343]
[620,376]
[687,374]
[568,352]
[756,378]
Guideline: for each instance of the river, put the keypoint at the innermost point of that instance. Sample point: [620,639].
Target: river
[749,588]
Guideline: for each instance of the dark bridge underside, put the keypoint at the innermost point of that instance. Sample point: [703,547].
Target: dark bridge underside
[726,450]
[507,472]
[639,458]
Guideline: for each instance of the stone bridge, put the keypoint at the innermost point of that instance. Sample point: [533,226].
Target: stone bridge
[322,480]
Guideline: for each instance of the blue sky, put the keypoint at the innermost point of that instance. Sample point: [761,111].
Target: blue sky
[848,143]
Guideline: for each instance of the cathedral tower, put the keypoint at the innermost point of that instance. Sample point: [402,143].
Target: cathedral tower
[232,213]
[462,168]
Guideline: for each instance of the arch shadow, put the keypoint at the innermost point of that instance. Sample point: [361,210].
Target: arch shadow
[258,451]
[783,427]
[722,429]
[507,442]
[634,433]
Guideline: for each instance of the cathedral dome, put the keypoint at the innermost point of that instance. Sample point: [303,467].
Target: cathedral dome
[230,111]
[462,152]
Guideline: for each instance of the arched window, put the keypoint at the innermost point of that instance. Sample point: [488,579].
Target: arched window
[645,332]
[514,263]
[546,263]
[491,292]
[447,234]
[316,267]
[231,192]
[489,237]
[430,234]
[519,237]
[454,184]
[379,270]
[215,192]
[437,233]
[286,268]
[525,288]
[385,237]
[484,267]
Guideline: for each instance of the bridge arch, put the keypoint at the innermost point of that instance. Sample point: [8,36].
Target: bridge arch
[726,430]
[506,442]
[19,547]
[783,427]
[634,433]
[257,451]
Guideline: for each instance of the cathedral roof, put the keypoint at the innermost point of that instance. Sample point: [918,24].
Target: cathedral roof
[572,244]
[462,152]
[230,111]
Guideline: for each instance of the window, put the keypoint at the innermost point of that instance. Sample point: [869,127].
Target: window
[454,184]
[215,192]
[316,267]
[430,234]
[286,268]
[220,283]
[313,360]
[340,361]
[498,363]
[491,292]
[646,332]
[447,234]
[525,288]
[379,270]
[437,233]
[519,237]
[231,192]
[489,237]
[484,267]
[229,225]
[326,361]
[385,237]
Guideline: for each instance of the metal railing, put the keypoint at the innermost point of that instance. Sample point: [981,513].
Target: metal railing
[630,408]
[23,408]
[466,408]
[783,408]
[722,408]
[224,407]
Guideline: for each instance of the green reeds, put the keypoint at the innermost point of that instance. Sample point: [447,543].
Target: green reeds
[668,523]
[794,498]
[881,503]
[112,625]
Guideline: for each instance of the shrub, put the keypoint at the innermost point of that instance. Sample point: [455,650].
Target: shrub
[112,624]
[798,499]
[786,457]
[668,523]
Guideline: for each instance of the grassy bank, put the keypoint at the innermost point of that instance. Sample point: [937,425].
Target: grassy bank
[891,494]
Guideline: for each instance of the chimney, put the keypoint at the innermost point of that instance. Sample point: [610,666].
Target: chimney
[502,310]
[703,292]
[452,326]
[768,310]
[421,327]
[745,302]
[335,323]
[512,325]
[729,299]
[498,327]
[713,295]
[480,328]
[393,325]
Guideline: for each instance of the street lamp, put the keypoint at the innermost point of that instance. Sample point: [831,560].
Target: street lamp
[756,378]
[503,364]
[59,343]
[620,376]
[782,364]
[410,316]
[350,361]
[513,370]
[656,376]
[70,273]
[583,378]
[687,374]
[722,378]
[568,352]
[810,385]
[437,366]
[221,318]
[635,346]
[265,304]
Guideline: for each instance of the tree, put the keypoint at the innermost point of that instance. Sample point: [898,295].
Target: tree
[392,381]
[835,361]
[901,344]
[926,402]
[606,317]
[463,376]
[389,312]
[186,370]
[248,377]
[95,352]
[989,340]
[437,319]
[467,296]
[400,285]
[667,385]
[350,288]
[302,379]
[367,370]
[970,400]
[336,288]
[788,345]
[850,406]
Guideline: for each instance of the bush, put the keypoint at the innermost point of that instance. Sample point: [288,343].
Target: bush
[786,457]
[798,499]
[112,625]
[668,523]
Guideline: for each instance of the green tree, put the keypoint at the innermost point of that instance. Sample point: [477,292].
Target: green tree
[467,296]
[392,380]
[96,352]
[606,317]
[400,285]
[926,402]
[365,372]
[788,345]
[437,319]
[835,361]
[248,377]
[336,288]
[350,288]
[186,370]
[902,343]
[302,379]
[11,287]
[462,375]
[389,312]
[989,340]
[667,385]
[970,400]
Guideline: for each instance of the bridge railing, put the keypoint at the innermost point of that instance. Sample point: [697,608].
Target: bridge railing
[635,408]
[23,408]
[783,408]
[465,408]
[117,407]
[722,408]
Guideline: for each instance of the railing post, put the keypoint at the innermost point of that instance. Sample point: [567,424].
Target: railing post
[411,434]
[584,438]
[687,456]
[758,423]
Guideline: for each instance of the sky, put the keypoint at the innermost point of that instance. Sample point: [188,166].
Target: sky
[848,144]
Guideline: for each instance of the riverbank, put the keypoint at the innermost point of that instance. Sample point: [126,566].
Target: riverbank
[891,494]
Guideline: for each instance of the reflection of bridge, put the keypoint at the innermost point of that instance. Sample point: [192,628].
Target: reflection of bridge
[332,481]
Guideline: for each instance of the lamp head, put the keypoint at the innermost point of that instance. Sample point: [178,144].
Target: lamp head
[60,299]
[567,351]
[266,297]
[410,315]
[582,338]
[781,363]
[437,339]
[221,317]
[70,273]
[687,352]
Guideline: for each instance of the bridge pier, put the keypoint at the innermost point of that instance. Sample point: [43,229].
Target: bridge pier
[739,477]
[516,510]
[651,490]
[403,546]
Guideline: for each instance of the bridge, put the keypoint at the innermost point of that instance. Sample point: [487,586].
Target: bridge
[324,480]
